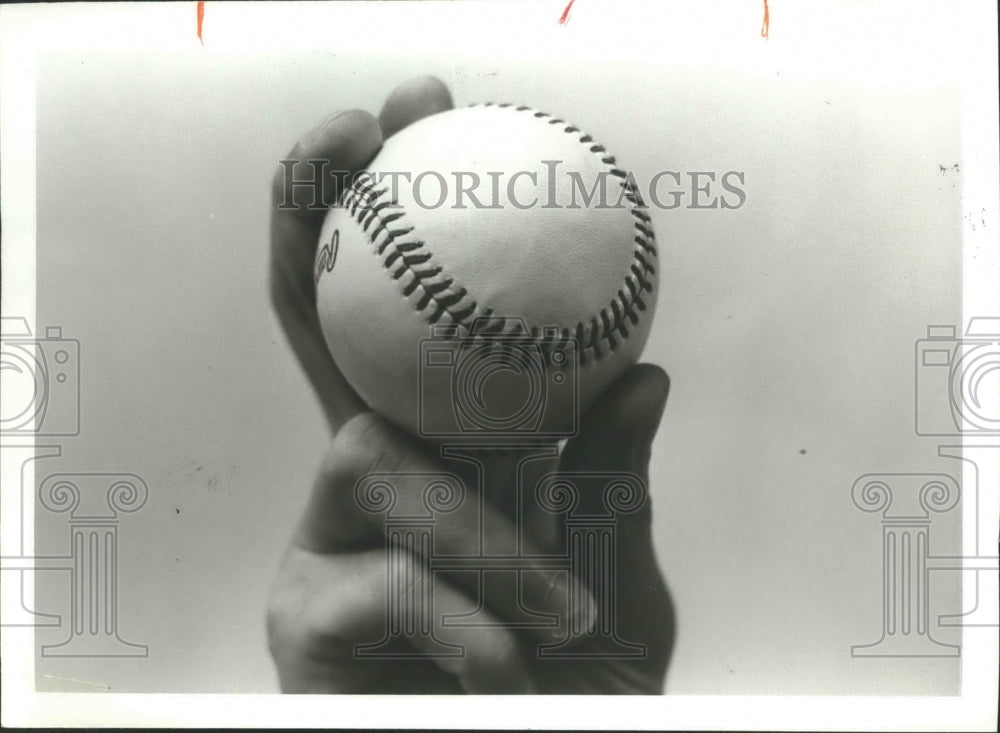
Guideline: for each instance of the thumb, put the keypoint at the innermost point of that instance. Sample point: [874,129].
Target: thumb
[616,438]
[617,432]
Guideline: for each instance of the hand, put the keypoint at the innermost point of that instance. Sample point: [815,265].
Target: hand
[331,591]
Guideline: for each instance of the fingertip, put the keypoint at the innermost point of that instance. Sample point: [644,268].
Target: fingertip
[642,389]
[496,666]
[649,383]
[361,443]
[346,128]
[345,141]
[618,430]
[413,100]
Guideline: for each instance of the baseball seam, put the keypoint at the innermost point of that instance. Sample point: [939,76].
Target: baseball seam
[440,295]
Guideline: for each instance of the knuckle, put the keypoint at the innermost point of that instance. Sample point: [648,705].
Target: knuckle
[363,445]
[280,292]
[315,610]
[366,443]
[274,620]
[280,622]
[496,665]
[360,448]
[281,639]
[358,438]
[360,429]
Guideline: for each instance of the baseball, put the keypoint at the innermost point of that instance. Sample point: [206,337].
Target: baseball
[491,274]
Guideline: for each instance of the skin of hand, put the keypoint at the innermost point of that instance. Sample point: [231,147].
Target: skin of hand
[330,592]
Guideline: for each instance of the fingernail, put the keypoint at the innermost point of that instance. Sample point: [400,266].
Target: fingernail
[313,135]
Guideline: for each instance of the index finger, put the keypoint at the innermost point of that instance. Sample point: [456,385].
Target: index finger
[303,184]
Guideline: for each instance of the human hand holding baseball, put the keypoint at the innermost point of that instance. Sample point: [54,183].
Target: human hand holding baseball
[330,593]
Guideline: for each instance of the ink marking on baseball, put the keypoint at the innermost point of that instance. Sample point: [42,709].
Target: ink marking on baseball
[327,256]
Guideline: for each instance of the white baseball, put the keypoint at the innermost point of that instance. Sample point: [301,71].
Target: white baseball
[392,266]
